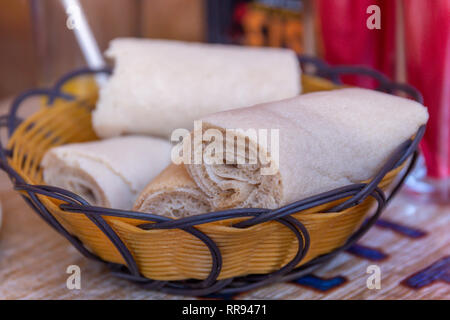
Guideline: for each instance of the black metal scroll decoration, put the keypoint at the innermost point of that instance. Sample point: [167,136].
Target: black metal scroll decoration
[356,193]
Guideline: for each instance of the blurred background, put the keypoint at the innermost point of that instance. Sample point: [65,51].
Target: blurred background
[412,43]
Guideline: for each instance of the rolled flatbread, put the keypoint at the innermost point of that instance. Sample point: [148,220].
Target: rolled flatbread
[173,194]
[109,172]
[325,140]
[161,85]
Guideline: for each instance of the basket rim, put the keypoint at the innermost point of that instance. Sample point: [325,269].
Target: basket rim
[356,193]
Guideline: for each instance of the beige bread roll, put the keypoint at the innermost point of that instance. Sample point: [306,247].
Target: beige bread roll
[161,85]
[109,172]
[326,140]
[173,194]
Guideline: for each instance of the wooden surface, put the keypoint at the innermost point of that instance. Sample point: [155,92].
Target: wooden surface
[414,236]
[17,52]
[36,47]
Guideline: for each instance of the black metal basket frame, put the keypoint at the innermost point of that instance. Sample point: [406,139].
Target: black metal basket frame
[356,193]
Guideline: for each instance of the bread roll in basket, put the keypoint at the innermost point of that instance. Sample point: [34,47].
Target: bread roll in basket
[228,251]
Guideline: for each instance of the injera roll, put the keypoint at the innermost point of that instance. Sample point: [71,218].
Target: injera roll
[173,194]
[326,140]
[161,85]
[109,172]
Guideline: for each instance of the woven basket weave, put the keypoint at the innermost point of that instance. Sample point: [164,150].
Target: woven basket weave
[212,249]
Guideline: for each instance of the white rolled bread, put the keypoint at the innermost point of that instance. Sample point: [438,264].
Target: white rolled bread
[161,85]
[173,194]
[326,140]
[108,173]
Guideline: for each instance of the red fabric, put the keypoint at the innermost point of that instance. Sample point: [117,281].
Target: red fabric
[386,51]
[427,37]
[347,40]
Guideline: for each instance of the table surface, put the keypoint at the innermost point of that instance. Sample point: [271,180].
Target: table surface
[410,245]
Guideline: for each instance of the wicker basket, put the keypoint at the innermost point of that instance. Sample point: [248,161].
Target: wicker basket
[228,251]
